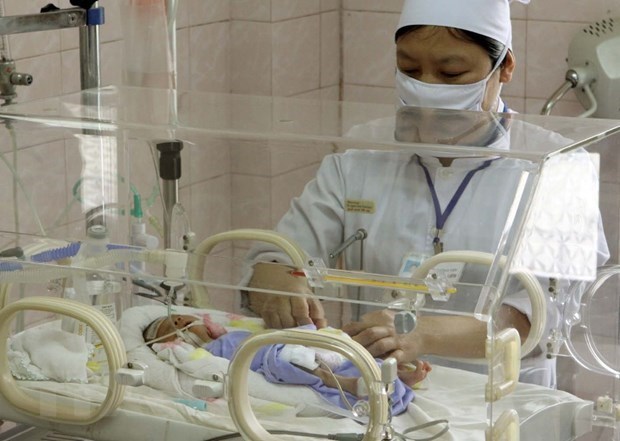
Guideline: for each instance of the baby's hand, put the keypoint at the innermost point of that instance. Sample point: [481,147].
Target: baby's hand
[412,373]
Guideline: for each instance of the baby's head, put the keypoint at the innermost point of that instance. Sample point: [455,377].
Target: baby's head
[193,330]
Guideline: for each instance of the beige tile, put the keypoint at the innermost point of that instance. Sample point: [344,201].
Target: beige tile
[311,95]
[110,54]
[183,14]
[516,87]
[251,202]
[45,203]
[331,5]
[290,156]
[47,82]
[368,48]
[287,9]
[252,10]
[208,11]
[299,116]
[366,94]
[514,103]
[545,62]
[34,44]
[330,49]
[372,5]
[209,65]
[573,10]
[330,93]
[112,29]
[208,158]
[69,39]
[183,59]
[211,206]
[518,10]
[296,56]
[250,157]
[70,65]
[565,107]
[251,58]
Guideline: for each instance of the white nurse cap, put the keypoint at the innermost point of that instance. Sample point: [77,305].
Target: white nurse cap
[490,18]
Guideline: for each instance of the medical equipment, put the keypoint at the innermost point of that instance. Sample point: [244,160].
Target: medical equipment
[593,70]
[136,388]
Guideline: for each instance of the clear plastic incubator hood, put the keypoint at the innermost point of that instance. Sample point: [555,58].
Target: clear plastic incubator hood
[134,250]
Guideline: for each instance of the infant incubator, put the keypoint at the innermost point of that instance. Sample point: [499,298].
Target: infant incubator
[114,217]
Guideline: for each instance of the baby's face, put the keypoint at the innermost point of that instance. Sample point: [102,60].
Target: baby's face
[177,321]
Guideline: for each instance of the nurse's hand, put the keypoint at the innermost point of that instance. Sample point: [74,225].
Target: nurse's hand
[281,311]
[376,332]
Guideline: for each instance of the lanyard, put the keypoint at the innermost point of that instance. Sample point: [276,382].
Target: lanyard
[441,218]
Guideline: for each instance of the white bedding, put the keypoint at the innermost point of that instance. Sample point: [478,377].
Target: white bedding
[455,395]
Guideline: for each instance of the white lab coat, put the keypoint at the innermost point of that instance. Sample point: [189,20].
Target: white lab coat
[386,194]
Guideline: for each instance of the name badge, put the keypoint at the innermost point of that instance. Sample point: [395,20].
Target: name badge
[360,206]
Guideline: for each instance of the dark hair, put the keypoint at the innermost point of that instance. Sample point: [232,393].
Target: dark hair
[492,47]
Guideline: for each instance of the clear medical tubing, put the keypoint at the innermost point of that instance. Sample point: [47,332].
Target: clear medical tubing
[112,344]
[197,258]
[529,282]
[237,380]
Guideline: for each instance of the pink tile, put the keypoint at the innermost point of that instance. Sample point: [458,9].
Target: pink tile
[251,58]
[565,107]
[381,95]
[372,5]
[330,5]
[183,54]
[47,81]
[546,63]
[209,65]
[287,186]
[208,11]
[112,29]
[573,10]
[289,156]
[287,9]
[518,10]
[251,202]
[208,159]
[34,44]
[211,206]
[252,10]
[330,49]
[369,49]
[516,87]
[296,56]
[250,158]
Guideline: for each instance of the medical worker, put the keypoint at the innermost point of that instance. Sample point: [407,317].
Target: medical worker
[451,54]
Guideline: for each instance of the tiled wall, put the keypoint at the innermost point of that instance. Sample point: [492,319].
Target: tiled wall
[292,48]
[542,32]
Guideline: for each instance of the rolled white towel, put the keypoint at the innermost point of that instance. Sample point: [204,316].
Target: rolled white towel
[49,354]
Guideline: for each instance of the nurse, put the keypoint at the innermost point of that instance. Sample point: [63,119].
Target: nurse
[450,54]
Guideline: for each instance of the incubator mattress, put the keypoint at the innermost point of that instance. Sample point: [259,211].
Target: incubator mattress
[156,413]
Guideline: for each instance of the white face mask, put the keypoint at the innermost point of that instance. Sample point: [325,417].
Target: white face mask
[412,92]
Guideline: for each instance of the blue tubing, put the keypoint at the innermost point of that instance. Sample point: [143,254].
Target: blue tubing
[57,253]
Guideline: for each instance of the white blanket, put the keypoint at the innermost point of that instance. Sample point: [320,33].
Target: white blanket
[45,353]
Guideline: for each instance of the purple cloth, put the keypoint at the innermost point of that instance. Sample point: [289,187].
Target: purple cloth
[268,363]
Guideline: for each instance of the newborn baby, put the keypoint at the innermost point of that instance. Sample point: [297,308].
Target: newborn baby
[328,366]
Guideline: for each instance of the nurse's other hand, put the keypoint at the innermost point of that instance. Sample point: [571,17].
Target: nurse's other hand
[281,311]
[376,332]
